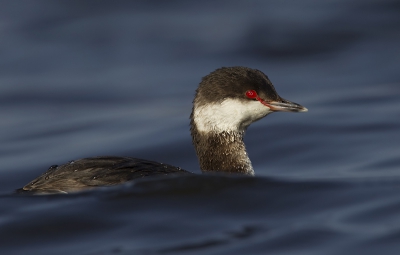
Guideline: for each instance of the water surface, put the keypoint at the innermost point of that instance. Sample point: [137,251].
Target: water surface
[89,78]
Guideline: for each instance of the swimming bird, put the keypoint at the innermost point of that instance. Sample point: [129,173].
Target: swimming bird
[226,102]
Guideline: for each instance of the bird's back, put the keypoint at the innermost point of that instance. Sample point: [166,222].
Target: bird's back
[98,171]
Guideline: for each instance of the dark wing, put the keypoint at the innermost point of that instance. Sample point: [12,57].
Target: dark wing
[94,172]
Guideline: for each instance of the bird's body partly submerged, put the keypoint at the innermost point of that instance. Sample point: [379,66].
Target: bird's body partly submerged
[94,172]
[227,101]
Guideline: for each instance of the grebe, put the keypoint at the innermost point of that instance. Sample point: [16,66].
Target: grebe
[227,101]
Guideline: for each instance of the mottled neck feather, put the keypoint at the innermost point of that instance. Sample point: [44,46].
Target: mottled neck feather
[221,151]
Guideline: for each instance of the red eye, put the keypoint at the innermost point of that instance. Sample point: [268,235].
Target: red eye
[251,94]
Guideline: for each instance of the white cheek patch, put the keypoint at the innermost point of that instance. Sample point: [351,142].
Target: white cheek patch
[230,115]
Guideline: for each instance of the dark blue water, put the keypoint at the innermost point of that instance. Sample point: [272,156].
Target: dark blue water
[89,78]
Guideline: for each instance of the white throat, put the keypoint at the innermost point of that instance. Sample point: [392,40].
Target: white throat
[218,130]
[229,115]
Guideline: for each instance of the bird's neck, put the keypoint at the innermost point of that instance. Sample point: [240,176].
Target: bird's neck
[221,151]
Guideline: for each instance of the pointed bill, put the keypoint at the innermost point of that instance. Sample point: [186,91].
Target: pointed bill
[286,106]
